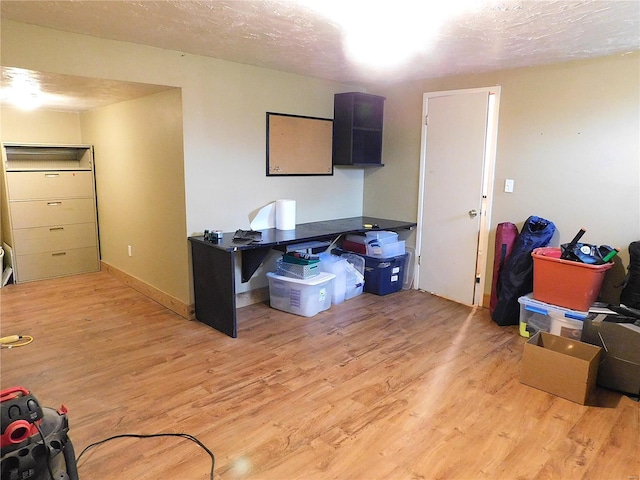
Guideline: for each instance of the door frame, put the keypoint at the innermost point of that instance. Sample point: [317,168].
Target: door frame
[487,181]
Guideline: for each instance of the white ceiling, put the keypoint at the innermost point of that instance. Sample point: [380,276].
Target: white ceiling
[287,36]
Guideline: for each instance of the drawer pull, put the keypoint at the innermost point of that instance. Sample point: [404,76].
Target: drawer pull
[58,254]
[54,204]
[51,175]
[56,228]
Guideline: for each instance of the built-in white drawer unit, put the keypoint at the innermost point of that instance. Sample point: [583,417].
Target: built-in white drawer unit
[52,208]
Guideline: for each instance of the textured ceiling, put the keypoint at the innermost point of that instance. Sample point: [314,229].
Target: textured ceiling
[72,93]
[291,37]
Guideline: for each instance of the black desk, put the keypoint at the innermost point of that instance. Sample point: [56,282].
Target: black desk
[214,263]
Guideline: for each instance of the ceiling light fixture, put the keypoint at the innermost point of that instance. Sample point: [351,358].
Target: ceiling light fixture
[385,34]
[23,92]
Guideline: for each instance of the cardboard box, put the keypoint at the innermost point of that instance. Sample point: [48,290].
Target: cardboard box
[620,342]
[562,366]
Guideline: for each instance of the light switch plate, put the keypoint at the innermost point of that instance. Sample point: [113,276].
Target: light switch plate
[508,185]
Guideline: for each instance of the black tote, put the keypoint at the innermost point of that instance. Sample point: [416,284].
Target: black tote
[516,278]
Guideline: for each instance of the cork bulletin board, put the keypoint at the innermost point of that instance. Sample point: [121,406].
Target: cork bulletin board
[298,145]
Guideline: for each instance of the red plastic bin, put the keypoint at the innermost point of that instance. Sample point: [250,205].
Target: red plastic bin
[568,284]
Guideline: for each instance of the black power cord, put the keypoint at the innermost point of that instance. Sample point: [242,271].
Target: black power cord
[46,448]
[154,435]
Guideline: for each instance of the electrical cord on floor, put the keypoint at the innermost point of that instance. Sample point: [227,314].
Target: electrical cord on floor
[13,341]
[154,435]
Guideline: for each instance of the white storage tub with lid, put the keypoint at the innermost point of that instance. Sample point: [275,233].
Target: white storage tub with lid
[538,316]
[301,297]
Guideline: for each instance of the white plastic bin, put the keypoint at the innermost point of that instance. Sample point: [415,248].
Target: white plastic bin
[337,266]
[385,250]
[301,297]
[383,244]
[566,327]
[355,275]
[381,236]
[409,265]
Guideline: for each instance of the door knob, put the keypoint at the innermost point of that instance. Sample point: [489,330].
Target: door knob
[473,213]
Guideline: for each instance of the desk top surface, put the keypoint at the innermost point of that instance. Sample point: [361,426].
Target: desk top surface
[307,232]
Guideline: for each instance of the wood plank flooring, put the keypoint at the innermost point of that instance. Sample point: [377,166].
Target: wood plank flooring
[405,386]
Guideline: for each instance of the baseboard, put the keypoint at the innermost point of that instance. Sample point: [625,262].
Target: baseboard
[172,303]
[486,300]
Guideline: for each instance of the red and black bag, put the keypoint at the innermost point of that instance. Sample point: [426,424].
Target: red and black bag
[506,234]
[516,278]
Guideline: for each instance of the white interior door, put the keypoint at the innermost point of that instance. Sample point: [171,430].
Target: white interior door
[453,184]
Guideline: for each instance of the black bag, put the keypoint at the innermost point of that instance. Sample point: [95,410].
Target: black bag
[630,295]
[516,278]
[585,252]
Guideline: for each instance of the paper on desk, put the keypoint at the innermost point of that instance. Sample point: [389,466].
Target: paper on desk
[265,218]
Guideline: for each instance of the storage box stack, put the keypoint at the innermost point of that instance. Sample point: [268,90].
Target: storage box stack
[299,287]
[355,244]
[385,260]
[601,347]
[296,265]
[563,292]
[383,244]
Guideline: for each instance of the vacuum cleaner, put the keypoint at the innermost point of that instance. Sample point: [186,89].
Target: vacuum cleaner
[33,441]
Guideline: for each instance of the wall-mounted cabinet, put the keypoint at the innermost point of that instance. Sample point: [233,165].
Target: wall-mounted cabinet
[52,210]
[357,129]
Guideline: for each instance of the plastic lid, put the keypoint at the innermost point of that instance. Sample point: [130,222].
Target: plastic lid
[543,308]
[315,280]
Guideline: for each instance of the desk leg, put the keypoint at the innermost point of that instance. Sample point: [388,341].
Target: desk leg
[214,287]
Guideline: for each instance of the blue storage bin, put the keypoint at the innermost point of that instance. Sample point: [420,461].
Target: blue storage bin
[381,275]
[384,275]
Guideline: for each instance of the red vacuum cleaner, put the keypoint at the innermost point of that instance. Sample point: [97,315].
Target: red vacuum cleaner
[33,441]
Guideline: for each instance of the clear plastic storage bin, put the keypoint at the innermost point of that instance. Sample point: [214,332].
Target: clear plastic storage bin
[538,316]
[355,275]
[301,297]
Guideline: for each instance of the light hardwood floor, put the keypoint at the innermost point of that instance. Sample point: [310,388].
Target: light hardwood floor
[405,386]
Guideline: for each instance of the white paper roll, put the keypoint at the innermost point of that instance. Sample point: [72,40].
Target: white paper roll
[285,214]
[265,218]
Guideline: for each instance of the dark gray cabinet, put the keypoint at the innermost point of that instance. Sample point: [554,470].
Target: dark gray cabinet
[357,129]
